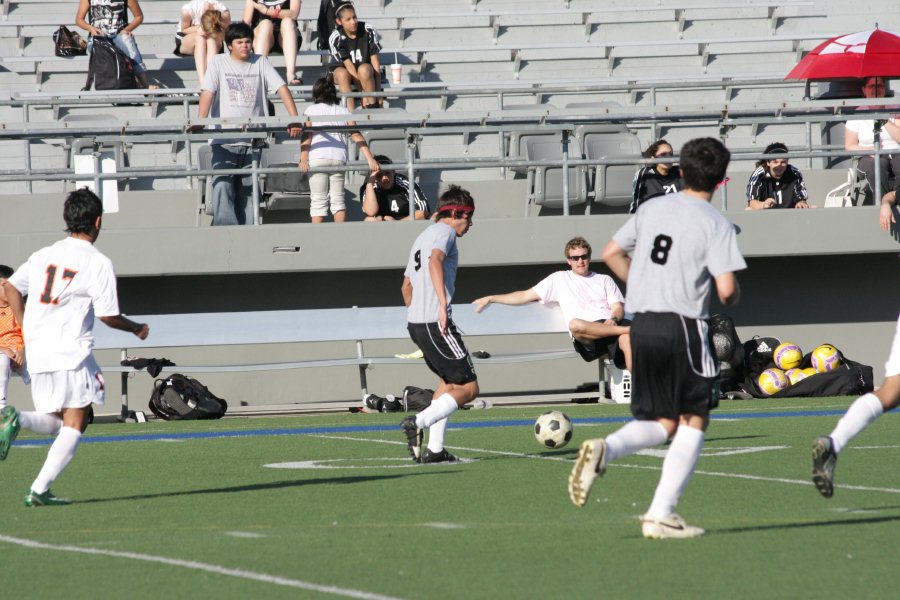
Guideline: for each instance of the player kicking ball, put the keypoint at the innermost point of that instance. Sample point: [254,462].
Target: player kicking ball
[67,284]
[672,253]
[428,285]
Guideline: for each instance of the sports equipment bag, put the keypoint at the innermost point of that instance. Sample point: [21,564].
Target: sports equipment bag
[179,397]
[109,68]
[728,350]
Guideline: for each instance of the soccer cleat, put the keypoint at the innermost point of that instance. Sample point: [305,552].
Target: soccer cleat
[824,458]
[590,464]
[437,457]
[9,429]
[414,437]
[670,526]
[45,499]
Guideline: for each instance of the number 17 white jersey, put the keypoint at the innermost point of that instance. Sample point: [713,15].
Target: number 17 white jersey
[66,284]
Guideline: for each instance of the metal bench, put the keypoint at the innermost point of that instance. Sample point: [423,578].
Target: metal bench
[323,325]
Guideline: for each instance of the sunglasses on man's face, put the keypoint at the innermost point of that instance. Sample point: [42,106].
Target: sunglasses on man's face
[580,257]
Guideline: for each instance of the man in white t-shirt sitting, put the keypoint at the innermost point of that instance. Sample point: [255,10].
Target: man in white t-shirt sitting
[591,303]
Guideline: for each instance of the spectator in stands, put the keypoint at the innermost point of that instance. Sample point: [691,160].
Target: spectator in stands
[775,183]
[859,135]
[326,21]
[12,344]
[385,195]
[328,149]
[238,84]
[201,35]
[355,46]
[105,18]
[274,24]
[656,179]
[591,304]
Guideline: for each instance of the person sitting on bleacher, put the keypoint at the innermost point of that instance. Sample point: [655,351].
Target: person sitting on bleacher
[325,24]
[109,18]
[355,46]
[192,39]
[775,183]
[591,304]
[274,24]
[656,179]
[859,134]
[385,195]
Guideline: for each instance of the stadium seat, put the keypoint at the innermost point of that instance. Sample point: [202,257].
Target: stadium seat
[612,183]
[546,182]
[284,190]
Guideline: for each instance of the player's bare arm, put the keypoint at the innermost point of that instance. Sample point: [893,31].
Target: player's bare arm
[15,301]
[436,269]
[123,323]
[617,259]
[728,289]
[512,298]
[407,290]
[886,213]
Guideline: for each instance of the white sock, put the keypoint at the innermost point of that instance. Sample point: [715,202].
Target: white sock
[634,436]
[860,415]
[436,435]
[58,458]
[677,469]
[43,423]
[440,408]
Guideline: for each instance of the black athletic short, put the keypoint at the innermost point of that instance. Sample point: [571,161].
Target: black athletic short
[673,366]
[608,346]
[446,355]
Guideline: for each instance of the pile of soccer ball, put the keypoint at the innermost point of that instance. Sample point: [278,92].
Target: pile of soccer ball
[788,357]
[553,429]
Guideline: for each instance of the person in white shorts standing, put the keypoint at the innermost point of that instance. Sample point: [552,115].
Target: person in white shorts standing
[860,415]
[67,284]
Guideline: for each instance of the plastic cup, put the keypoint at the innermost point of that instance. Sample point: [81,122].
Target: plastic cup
[396,73]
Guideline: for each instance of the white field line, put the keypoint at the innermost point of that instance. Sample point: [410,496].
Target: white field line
[198,566]
[862,488]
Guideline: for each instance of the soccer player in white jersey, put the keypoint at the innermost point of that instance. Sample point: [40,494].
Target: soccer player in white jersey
[67,285]
[672,252]
[428,285]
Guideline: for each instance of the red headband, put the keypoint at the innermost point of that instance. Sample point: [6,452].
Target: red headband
[452,207]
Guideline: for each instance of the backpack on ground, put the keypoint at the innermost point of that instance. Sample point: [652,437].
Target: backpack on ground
[109,68]
[759,355]
[179,397]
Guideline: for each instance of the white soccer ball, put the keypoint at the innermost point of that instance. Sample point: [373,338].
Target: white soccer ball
[553,429]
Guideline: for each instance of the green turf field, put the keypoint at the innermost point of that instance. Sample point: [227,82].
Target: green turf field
[169,515]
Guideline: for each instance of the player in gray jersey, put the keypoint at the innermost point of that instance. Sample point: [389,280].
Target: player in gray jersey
[670,253]
[428,285]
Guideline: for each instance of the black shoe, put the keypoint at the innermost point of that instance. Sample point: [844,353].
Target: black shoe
[437,457]
[414,437]
[824,458]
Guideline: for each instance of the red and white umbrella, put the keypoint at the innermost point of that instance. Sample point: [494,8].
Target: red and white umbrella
[872,53]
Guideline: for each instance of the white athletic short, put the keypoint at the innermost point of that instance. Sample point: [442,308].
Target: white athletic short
[892,366]
[56,390]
